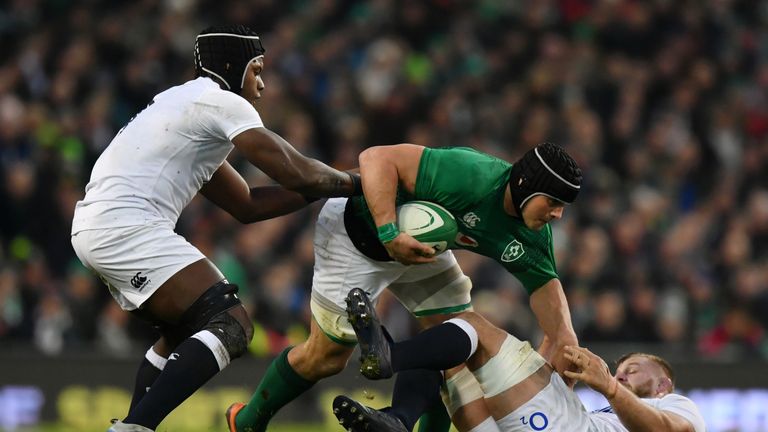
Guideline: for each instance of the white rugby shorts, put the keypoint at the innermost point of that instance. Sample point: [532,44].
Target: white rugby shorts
[134,261]
[424,289]
[556,408]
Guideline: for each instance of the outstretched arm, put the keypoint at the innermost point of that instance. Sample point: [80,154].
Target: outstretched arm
[383,169]
[635,415]
[228,190]
[551,309]
[284,164]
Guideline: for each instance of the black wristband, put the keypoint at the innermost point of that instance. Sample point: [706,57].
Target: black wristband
[357,184]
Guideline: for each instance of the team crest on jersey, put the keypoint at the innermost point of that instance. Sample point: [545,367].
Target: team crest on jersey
[466,241]
[470,219]
[513,251]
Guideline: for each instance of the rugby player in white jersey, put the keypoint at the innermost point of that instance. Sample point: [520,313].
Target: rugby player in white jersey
[123,229]
[520,389]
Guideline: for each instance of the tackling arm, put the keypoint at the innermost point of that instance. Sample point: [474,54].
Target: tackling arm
[228,190]
[635,415]
[283,163]
[639,417]
[551,309]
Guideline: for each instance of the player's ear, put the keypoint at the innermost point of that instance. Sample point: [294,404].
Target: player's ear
[664,387]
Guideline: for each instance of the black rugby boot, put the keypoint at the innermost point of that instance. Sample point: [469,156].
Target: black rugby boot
[375,342]
[356,417]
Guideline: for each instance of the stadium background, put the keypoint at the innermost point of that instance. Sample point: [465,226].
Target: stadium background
[662,102]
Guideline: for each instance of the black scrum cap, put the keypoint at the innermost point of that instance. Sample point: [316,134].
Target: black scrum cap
[544,170]
[223,53]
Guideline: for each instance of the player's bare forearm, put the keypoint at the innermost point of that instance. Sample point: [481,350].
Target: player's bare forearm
[266,202]
[228,190]
[383,169]
[551,309]
[380,180]
[546,347]
[272,201]
[320,180]
[635,415]
[279,160]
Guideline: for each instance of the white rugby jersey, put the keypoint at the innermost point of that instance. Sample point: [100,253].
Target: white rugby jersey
[158,162]
[605,420]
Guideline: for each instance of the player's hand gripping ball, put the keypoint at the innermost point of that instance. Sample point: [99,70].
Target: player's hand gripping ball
[428,223]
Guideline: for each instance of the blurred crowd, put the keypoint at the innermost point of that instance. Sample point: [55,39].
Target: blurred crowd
[663,103]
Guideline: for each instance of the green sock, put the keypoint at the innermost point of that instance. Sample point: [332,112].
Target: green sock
[280,385]
[436,419]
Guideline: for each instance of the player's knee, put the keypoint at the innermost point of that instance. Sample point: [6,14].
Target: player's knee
[216,321]
[248,328]
[233,336]
[225,337]
[241,315]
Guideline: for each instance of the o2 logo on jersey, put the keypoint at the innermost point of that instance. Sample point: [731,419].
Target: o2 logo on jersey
[537,421]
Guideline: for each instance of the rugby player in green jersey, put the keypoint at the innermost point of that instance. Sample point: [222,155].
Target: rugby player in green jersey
[503,211]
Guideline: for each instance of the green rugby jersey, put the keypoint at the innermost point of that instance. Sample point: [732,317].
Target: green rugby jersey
[471,186]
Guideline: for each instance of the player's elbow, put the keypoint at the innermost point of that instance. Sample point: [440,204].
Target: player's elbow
[388,154]
[377,154]
[369,155]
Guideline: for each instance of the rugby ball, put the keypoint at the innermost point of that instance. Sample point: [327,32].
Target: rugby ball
[428,223]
